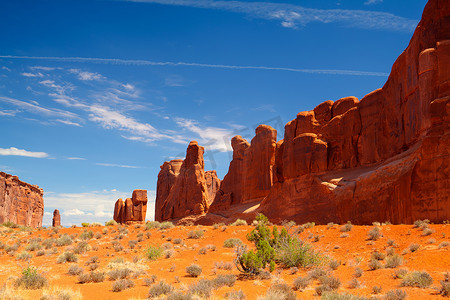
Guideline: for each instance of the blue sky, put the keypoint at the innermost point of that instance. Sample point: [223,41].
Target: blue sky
[96,95]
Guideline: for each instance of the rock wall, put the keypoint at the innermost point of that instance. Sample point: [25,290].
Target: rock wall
[133,209]
[384,158]
[20,202]
[56,218]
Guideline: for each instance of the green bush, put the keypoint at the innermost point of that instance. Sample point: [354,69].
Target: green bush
[85,224]
[152,224]
[293,252]
[239,222]
[194,270]
[153,253]
[417,279]
[232,242]
[31,279]
[110,223]
[10,224]
[167,225]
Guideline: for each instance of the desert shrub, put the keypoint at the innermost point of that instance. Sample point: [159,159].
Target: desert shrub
[393,261]
[75,270]
[121,273]
[194,270]
[330,225]
[374,234]
[293,252]
[84,278]
[414,247]
[40,253]
[202,289]
[444,290]
[58,293]
[167,225]
[67,257]
[152,224]
[279,291]
[82,247]
[427,232]
[390,251]
[12,248]
[150,280]
[400,273]
[354,284]
[48,243]
[316,273]
[421,223]
[417,279]
[122,284]
[33,246]
[334,264]
[443,244]
[377,255]
[85,224]
[195,234]
[31,279]
[232,242]
[166,246]
[301,283]
[110,223]
[347,227]
[395,295]
[224,280]
[169,253]
[235,295]
[153,253]
[161,288]
[97,276]
[177,241]
[132,243]
[375,264]
[117,246]
[24,255]
[63,240]
[86,235]
[239,222]
[390,242]
[376,289]
[358,272]
[98,236]
[223,265]
[92,260]
[10,224]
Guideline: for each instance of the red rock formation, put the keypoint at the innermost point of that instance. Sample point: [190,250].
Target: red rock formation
[20,202]
[384,158]
[56,218]
[250,175]
[133,209]
[185,189]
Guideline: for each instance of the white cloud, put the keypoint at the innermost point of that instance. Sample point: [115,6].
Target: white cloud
[295,15]
[43,68]
[12,151]
[46,213]
[84,75]
[128,87]
[370,2]
[8,113]
[265,107]
[118,61]
[117,166]
[73,212]
[212,138]
[35,108]
[67,122]
[6,68]
[32,74]
[76,158]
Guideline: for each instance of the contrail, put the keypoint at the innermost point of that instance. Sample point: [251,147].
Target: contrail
[133,62]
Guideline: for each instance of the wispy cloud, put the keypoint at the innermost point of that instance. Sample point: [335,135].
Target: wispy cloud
[8,113]
[6,68]
[117,61]
[370,2]
[76,158]
[117,166]
[32,74]
[213,138]
[294,15]
[43,68]
[67,122]
[35,108]
[73,212]
[84,75]
[265,107]
[12,151]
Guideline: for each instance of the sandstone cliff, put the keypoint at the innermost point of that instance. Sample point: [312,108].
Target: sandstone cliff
[384,158]
[134,209]
[20,202]
[184,188]
[56,221]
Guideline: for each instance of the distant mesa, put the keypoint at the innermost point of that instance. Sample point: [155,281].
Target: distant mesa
[383,158]
[56,218]
[20,202]
[131,210]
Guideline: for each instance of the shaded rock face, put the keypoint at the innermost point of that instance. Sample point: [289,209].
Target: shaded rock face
[133,209]
[383,158]
[56,218]
[20,202]
[184,188]
[250,175]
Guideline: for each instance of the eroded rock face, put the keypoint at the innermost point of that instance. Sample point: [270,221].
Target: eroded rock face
[133,209]
[183,191]
[250,175]
[385,157]
[20,202]
[56,218]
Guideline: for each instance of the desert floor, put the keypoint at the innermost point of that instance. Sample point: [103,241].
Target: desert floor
[351,249]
